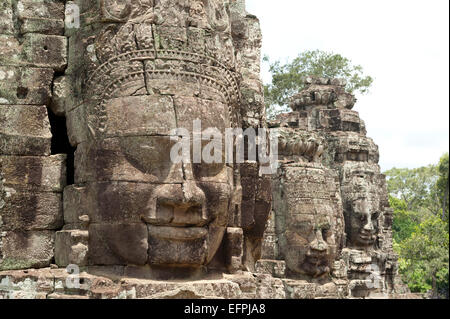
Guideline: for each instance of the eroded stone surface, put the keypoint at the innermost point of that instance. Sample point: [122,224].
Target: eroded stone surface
[25,130]
[324,135]
[142,226]
[32,180]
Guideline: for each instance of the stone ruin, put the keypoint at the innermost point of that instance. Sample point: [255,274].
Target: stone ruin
[93,207]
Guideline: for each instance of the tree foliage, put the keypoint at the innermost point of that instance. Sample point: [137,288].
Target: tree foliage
[419,198]
[424,256]
[416,187]
[288,79]
[442,185]
[405,222]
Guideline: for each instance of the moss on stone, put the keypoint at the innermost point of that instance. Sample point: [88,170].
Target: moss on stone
[15,264]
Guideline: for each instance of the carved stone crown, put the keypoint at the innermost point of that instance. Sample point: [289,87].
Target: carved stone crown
[142,49]
[323,92]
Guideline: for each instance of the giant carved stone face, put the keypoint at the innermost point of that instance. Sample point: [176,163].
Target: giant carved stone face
[311,242]
[362,205]
[313,221]
[147,75]
[148,209]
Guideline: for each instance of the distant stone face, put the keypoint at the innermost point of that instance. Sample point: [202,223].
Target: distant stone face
[313,219]
[326,133]
[123,75]
[362,204]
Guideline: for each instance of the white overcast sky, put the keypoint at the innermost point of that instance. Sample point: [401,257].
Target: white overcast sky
[403,44]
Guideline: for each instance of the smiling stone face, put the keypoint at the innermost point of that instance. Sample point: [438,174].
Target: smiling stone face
[311,242]
[311,221]
[147,209]
[159,67]
[362,205]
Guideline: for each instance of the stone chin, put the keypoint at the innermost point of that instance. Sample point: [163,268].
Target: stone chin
[316,270]
[183,246]
[310,266]
[299,261]
[364,239]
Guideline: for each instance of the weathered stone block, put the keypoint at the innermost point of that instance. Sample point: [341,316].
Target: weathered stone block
[170,38]
[77,126]
[234,248]
[145,116]
[53,9]
[299,289]
[40,16]
[22,85]
[24,130]
[71,247]
[29,284]
[351,146]
[62,95]
[30,211]
[149,289]
[276,268]
[188,246]
[341,120]
[42,26]
[26,249]
[75,207]
[36,50]
[109,202]
[140,159]
[42,174]
[6,17]
[118,244]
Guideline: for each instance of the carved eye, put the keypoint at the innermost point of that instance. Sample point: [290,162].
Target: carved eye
[325,233]
[375,215]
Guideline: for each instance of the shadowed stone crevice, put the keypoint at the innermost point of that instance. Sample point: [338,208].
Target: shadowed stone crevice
[60,143]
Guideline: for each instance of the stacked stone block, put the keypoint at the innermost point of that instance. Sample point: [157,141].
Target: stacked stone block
[31,178]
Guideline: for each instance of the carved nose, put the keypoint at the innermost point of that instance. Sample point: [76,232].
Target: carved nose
[318,244]
[369,225]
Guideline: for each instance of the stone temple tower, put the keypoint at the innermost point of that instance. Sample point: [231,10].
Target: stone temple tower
[331,199]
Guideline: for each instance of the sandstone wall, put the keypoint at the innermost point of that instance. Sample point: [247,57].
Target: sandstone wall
[33,50]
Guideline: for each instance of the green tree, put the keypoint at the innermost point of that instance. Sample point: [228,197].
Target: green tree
[416,187]
[288,79]
[419,198]
[424,256]
[405,222]
[442,185]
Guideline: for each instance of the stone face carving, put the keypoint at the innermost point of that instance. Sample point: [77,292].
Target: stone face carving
[366,261]
[362,204]
[312,234]
[329,234]
[133,219]
[161,67]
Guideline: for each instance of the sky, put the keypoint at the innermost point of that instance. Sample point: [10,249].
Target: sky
[403,44]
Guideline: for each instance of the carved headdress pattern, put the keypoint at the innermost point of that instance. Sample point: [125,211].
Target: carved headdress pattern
[141,48]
